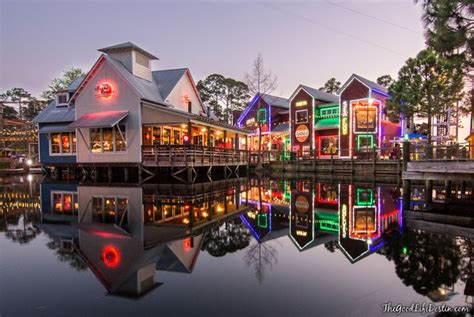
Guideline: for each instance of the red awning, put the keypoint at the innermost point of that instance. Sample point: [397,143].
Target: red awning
[102,119]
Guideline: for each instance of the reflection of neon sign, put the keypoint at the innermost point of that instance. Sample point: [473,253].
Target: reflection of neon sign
[111,256]
[343,219]
[104,90]
[364,202]
[262,220]
[301,233]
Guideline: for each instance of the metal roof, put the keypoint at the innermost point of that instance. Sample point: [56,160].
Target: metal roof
[99,119]
[53,114]
[167,79]
[320,95]
[56,128]
[276,101]
[365,81]
[126,46]
[282,127]
[73,86]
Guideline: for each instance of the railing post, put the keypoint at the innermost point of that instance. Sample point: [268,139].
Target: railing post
[406,154]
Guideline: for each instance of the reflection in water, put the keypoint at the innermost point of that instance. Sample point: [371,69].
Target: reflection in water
[127,234]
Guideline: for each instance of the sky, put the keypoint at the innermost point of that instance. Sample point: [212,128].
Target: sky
[302,42]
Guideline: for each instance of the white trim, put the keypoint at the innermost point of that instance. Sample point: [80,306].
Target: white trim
[113,140]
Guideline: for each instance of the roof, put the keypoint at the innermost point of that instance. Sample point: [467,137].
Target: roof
[283,127]
[73,86]
[327,123]
[276,101]
[99,119]
[365,81]
[124,47]
[318,94]
[55,128]
[146,89]
[53,114]
[166,80]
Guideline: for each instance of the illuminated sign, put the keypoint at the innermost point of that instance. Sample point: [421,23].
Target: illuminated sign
[301,133]
[302,204]
[104,90]
[301,103]
[345,120]
[250,122]
[301,233]
[343,219]
[111,256]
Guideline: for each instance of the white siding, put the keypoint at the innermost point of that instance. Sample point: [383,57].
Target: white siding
[124,98]
[184,87]
[139,70]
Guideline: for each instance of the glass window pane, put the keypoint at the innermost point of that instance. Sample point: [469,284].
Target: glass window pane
[66,143]
[57,202]
[120,144]
[74,141]
[110,210]
[122,204]
[166,136]
[95,140]
[67,203]
[76,204]
[108,139]
[156,135]
[147,135]
[55,143]
[98,212]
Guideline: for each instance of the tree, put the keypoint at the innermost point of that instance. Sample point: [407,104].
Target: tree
[9,113]
[211,90]
[331,86]
[33,107]
[426,86]
[61,83]
[450,28]
[19,96]
[385,80]
[235,97]
[260,81]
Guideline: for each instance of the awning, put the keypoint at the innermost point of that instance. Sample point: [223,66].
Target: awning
[104,119]
[327,123]
[56,128]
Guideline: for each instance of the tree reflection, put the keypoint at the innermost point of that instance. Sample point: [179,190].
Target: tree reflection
[20,227]
[425,261]
[230,238]
[67,256]
[262,256]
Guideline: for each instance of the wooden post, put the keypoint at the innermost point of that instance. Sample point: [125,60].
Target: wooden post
[447,189]
[126,175]
[428,191]
[406,155]
[109,174]
[406,194]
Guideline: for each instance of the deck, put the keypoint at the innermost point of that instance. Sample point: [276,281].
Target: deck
[192,155]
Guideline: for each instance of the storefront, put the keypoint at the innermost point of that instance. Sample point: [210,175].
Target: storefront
[311,118]
[269,115]
[364,126]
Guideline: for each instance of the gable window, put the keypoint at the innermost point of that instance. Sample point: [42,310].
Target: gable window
[104,140]
[302,116]
[62,100]
[62,143]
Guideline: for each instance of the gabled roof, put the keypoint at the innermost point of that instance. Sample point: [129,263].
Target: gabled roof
[53,114]
[73,86]
[276,101]
[370,84]
[124,47]
[144,88]
[167,79]
[317,94]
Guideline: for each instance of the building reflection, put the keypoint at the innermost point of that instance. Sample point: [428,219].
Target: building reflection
[126,234]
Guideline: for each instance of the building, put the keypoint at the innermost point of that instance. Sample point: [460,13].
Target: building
[124,113]
[314,122]
[364,125]
[271,115]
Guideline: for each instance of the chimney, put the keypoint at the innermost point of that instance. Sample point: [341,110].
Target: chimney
[134,58]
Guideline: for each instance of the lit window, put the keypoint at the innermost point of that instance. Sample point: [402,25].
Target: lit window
[301,116]
[65,203]
[55,143]
[63,143]
[110,209]
[108,139]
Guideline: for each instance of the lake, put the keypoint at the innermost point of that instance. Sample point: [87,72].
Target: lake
[246,246]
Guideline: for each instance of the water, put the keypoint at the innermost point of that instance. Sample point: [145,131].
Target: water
[226,248]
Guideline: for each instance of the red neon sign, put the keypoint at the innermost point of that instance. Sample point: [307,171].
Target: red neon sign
[111,256]
[104,90]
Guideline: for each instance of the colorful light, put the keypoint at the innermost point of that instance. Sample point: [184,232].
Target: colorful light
[111,256]
[104,90]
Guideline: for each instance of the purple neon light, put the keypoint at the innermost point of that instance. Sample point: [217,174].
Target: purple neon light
[243,115]
[255,234]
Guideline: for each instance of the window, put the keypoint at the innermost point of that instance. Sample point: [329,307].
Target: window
[328,145]
[142,60]
[103,140]
[329,112]
[262,115]
[301,116]
[110,209]
[65,203]
[61,100]
[62,143]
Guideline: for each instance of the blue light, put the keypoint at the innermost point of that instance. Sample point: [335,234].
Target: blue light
[244,114]
[255,234]
[381,93]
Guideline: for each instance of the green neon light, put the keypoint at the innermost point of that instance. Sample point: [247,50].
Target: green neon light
[263,216]
[286,146]
[360,202]
[260,113]
[360,137]
[329,225]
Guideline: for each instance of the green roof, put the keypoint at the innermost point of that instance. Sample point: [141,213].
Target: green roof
[327,123]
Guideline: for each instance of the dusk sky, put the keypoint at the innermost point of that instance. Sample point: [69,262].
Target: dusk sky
[301,42]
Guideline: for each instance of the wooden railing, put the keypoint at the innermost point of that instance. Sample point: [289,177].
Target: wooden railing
[193,155]
[453,152]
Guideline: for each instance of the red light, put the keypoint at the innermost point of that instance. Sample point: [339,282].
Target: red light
[185,138]
[111,256]
[104,90]
[187,244]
